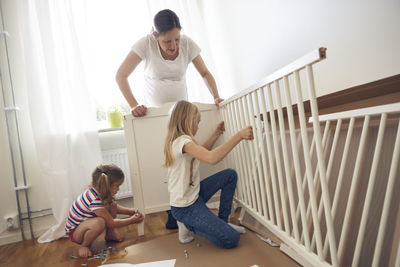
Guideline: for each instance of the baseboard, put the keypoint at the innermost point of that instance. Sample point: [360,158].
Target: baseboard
[9,238]
[303,260]
[15,236]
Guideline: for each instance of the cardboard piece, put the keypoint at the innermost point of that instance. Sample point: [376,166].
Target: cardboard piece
[200,252]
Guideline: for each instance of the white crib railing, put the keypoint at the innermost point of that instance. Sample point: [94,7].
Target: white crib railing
[286,184]
[366,210]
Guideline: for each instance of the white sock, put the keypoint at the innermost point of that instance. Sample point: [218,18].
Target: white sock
[184,236]
[238,228]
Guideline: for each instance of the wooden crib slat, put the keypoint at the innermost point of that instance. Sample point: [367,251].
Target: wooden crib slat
[255,166]
[243,170]
[352,194]
[317,185]
[232,159]
[261,146]
[286,162]
[296,161]
[341,175]
[271,161]
[371,184]
[257,150]
[321,165]
[307,158]
[329,169]
[233,119]
[278,159]
[245,155]
[394,166]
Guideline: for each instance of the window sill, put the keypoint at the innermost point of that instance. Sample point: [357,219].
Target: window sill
[104,126]
[111,129]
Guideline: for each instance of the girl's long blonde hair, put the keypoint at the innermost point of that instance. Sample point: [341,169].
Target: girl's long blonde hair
[180,123]
[102,179]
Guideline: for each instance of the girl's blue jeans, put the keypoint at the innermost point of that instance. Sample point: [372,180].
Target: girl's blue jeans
[201,221]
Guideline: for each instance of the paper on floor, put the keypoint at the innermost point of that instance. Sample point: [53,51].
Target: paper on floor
[165,263]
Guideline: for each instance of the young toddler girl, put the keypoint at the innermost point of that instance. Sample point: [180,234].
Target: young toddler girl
[188,195]
[95,210]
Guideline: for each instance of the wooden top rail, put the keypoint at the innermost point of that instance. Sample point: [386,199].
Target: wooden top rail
[165,109]
[362,112]
[311,58]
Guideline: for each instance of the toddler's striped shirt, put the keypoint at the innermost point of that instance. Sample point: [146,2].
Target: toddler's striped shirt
[83,208]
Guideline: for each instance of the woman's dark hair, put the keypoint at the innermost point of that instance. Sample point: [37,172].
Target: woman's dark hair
[102,179]
[166,20]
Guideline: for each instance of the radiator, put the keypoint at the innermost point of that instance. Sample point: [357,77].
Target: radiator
[120,158]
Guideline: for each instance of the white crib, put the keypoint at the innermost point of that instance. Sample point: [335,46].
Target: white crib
[326,195]
[317,192]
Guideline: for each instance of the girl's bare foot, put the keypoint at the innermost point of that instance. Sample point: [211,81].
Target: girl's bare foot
[84,252]
[113,237]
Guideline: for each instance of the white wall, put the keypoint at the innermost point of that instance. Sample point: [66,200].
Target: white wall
[254,38]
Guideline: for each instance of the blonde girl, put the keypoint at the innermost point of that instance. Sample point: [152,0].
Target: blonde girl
[95,210]
[188,195]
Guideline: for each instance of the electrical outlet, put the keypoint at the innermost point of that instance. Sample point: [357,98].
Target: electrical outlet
[12,221]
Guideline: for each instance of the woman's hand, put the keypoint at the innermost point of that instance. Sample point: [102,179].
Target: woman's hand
[139,111]
[247,133]
[218,100]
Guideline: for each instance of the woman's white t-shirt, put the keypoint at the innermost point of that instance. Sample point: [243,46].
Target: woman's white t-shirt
[164,79]
[181,192]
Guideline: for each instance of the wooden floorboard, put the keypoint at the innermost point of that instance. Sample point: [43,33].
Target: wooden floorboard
[59,252]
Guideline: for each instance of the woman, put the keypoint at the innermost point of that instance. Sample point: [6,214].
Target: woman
[166,54]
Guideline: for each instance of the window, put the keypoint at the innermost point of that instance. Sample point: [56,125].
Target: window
[113,27]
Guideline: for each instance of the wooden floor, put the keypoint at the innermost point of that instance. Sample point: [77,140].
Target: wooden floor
[59,252]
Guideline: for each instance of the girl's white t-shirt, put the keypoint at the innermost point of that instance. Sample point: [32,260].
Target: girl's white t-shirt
[181,192]
[164,80]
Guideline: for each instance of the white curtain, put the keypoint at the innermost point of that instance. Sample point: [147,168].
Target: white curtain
[60,106]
